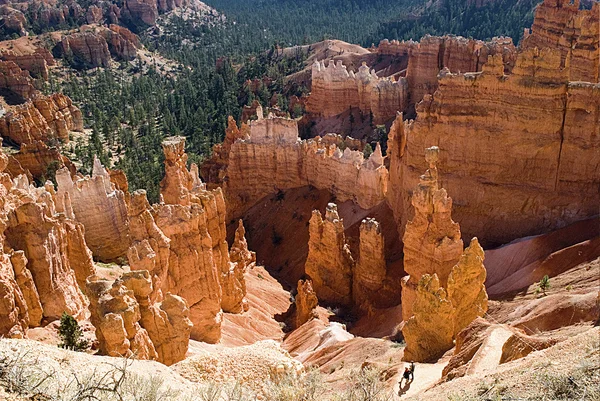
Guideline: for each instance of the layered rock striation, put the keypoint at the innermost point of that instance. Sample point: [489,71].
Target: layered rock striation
[528,138]
[36,62]
[16,80]
[43,256]
[101,208]
[561,25]
[432,241]
[274,158]
[335,90]
[199,266]
[457,54]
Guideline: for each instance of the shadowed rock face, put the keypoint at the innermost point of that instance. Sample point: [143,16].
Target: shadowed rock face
[329,263]
[101,208]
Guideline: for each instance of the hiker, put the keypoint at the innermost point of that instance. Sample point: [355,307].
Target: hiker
[412,371]
[405,376]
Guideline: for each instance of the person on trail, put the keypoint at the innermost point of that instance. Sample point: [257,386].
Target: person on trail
[412,371]
[405,376]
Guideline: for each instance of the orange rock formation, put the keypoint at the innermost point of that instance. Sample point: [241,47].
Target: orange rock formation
[536,152]
[116,314]
[432,247]
[457,54]
[39,160]
[42,118]
[306,303]
[149,249]
[329,263]
[200,269]
[429,332]
[13,78]
[560,24]
[101,208]
[44,254]
[335,90]
[369,274]
[466,289]
[36,62]
[432,243]
[274,158]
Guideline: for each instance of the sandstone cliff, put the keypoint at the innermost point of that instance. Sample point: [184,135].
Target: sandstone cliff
[36,62]
[457,54]
[16,80]
[214,169]
[432,247]
[149,248]
[199,267]
[86,49]
[335,90]
[101,208]
[274,158]
[527,138]
[561,25]
[329,263]
[41,119]
[43,257]
[44,253]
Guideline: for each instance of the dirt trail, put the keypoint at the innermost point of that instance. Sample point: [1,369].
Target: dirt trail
[426,375]
[487,357]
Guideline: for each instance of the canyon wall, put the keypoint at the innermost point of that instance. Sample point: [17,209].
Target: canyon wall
[101,208]
[529,139]
[335,90]
[43,256]
[458,54]
[272,157]
[561,25]
[36,63]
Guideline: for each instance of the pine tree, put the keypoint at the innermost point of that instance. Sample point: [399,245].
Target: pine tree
[70,334]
